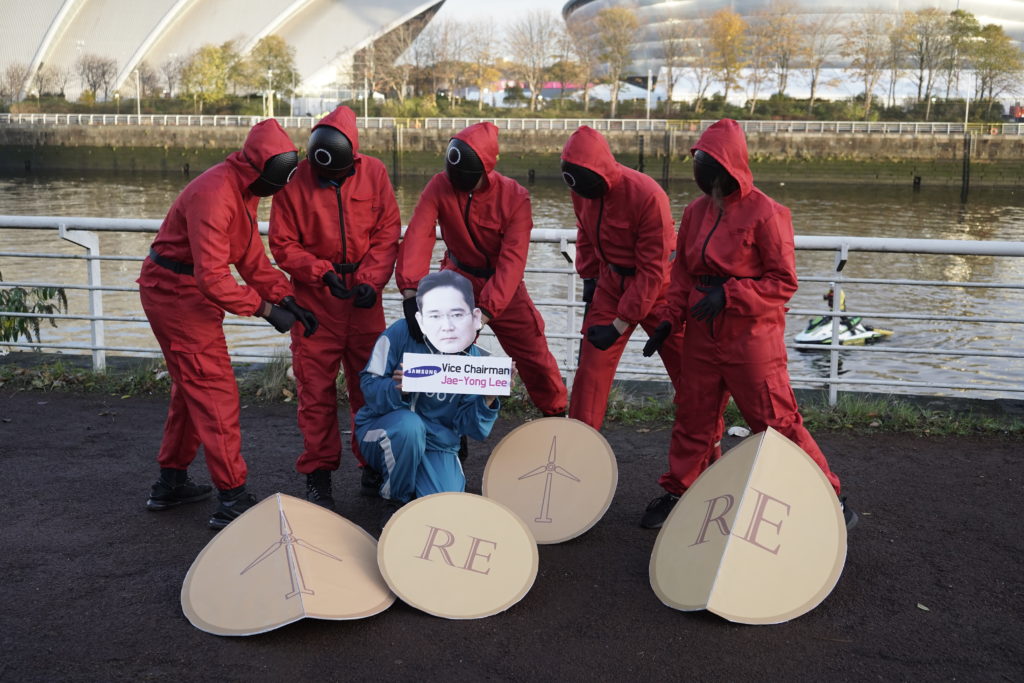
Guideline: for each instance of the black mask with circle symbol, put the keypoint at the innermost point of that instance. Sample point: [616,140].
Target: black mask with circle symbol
[330,153]
[463,165]
[275,174]
[584,182]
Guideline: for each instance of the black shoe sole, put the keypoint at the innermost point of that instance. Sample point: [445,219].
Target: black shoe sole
[156,505]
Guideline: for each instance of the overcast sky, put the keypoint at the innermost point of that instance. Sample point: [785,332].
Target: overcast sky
[498,10]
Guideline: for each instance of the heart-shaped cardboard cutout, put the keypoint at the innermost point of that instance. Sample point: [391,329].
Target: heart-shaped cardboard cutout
[458,555]
[557,474]
[282,560]
[758,539]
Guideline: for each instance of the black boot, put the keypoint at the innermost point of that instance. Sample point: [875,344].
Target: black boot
[463,449]
[173,488]
[233,502]
[318,489]
[370,482]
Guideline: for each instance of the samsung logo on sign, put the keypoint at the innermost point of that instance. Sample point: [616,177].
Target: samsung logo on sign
[423,371]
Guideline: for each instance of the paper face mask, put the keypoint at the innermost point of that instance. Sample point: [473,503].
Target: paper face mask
[447,320]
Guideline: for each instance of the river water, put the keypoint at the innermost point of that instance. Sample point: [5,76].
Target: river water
[818,209]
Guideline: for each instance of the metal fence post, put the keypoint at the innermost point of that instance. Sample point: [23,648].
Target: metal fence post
[837,306]
[91,242]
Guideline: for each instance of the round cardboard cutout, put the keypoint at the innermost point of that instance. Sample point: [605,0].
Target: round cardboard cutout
[282,560]
[758,539]
[457,555]
[557,474]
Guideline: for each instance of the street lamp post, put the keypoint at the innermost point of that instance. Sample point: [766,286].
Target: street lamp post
[117,101]
[648,93]
[138,95]
[270,93]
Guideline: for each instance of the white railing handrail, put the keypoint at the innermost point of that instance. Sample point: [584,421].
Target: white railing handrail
[85,232]
[522,123]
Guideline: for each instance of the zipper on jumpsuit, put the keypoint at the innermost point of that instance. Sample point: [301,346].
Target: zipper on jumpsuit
[703,250]
[341,223]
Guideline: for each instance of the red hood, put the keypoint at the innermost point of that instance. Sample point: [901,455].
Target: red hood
[589,149]
[266,139]
[483,138]
[725,141]
[343,119]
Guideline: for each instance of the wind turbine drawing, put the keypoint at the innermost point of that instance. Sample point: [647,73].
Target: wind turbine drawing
[289,542]
[548,469]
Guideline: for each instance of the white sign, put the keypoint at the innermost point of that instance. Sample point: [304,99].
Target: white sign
[457,374]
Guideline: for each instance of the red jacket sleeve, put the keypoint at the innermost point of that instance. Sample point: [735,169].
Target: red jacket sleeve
[653,244]
[682,282]
[418,244]
[777,283]
[378,263]
[587,264]
[511,264]
[210,218]
[285,239]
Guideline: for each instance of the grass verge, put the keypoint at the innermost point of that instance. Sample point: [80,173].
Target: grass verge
[273,382]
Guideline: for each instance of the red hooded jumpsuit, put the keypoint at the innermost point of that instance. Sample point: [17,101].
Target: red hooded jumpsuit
[742,351]
[210,226]
[624,239]
[316,227]
[487,233]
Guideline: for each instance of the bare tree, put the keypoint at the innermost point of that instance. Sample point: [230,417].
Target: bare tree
[171,69]
[393,67]
[531,40]
[674,36]
[588,53]
[61,77]
[617,33]
[482,55]
[896,58]
[701,68]
[566,68]
[14,77]
[97,73]
[928,47]
[866,46]
[758,56]
[728,40]
[149,80]
[822,42]
[787,42]
[44,81]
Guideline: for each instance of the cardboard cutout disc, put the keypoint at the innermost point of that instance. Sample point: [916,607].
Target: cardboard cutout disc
[758,539]
[557,474]
[457,555]
[282,560]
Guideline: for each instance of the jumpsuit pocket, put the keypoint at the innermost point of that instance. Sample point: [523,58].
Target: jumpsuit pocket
[781,399]
[194,360]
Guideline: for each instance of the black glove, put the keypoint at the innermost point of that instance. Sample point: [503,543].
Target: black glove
[409,308]
[281,319]
[602,336]
[365,295]
[333,283]
[654,342]
[304,316]
[712,303]
[589,287]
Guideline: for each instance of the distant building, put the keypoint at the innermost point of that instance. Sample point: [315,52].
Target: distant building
[326,34]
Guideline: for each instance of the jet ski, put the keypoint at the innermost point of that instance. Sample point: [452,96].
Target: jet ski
[852,330]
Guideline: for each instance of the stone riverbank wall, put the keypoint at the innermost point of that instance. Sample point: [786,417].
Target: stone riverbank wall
[995,160]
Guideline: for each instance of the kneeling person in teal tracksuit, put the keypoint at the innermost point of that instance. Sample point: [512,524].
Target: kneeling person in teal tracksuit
[412,439]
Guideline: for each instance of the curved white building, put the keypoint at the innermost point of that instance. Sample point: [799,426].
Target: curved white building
[325,33]
[654,14]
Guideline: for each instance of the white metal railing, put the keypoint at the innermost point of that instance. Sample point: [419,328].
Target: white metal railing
[86,232]
[458,123]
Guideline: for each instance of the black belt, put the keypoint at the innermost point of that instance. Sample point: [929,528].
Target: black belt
[622,270]
[478,272]
[713,280]
[345,268]
[170,264]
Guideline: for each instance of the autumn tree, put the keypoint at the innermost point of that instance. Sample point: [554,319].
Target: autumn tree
[866,47]
[565,69]
[616,34]
[962,28]
[482,56]
[269,65]
[727,38]
[205,75]
[997,63]
[758,48]
[530,42]
[822,42]
[896,57]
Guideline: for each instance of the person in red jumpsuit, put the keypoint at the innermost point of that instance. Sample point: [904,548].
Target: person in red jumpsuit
[733,274]
[624,240]
[186,284]
[335,230]
[485,221]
